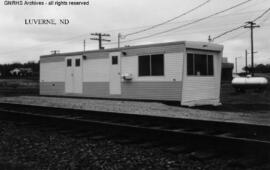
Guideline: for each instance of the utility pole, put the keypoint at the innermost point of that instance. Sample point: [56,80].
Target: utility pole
[100,39]
[83,45]
[236,64]
[251,25]
[55,51]
[246,53]
[119,38]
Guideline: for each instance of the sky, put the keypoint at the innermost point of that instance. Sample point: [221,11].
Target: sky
[22,43]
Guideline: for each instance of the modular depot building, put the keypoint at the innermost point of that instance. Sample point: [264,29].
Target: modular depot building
[184,71]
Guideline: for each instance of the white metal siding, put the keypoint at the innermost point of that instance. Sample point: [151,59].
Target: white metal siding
[174,66]
[173,63]
[196,88]
[52,72]
[130,65]
[96,70]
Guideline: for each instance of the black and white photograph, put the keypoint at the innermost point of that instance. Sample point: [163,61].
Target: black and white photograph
[135,84]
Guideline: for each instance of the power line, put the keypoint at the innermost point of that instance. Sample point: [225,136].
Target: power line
[265,12]
[167,21]
[100,39]
[84,36]
[145,26]
[242,26]
[235,36]
[198,20]
[212,28]
[44,45]
[252,25]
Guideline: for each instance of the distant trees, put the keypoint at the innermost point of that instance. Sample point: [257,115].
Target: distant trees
[29,70]
[260,68]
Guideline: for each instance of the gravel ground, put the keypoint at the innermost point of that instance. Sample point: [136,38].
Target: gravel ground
[149,108]
[25,148]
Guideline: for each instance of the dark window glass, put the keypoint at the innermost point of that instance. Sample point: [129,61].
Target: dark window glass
[114,60]
[144,65]
[200,64]
[157,65]
[69,62]
[210,65]
[77,62]
[190,66]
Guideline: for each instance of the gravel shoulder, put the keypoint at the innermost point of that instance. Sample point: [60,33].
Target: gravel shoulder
[148,108]
[29,148]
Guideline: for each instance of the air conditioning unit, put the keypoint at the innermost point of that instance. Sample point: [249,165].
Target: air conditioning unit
[127,76]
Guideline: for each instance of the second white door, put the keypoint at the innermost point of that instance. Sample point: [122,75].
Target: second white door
[115,73]
[73,82]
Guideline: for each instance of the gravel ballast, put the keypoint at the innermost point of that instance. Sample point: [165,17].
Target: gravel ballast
[30,148]
[147,108]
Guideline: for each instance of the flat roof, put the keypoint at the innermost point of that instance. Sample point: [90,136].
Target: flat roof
[188,44]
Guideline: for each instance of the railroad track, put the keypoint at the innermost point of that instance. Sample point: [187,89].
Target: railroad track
[199,132]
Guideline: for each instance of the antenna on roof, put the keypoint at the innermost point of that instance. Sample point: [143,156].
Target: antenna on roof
[210,39]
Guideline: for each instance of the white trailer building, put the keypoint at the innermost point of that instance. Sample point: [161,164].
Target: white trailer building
[188,72]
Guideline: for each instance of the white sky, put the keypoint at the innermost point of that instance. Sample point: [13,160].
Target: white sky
[22,43]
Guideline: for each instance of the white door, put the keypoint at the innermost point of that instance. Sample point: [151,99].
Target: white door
[115,73]
[77,78]
[73,83]
[69,75]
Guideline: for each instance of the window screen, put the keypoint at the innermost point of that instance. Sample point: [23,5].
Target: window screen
[190,67]
[77,62]
[200,65]
[151,65]
[144,65]
[157,65]
[210,65]
[114,60]
[69,62]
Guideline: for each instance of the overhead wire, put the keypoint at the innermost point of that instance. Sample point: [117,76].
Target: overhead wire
[241,26]
[83,35]
[167,21]
[67,40]
[225,15]
[190,23]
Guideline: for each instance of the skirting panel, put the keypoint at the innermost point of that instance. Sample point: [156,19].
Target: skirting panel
[51,88]
[170,91]
[96,89]
[152,90]
[136,90]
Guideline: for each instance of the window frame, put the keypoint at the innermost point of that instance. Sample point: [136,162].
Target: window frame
[207,54]
[114,58]
[69,62]
[76,64]
[150,65]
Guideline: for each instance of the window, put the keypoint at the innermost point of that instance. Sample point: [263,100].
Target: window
[114,60]
[200,65]
[151,65]
[77,62]
[69,62]
[144,65]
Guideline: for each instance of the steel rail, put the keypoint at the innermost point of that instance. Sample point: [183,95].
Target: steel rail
[226,132]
